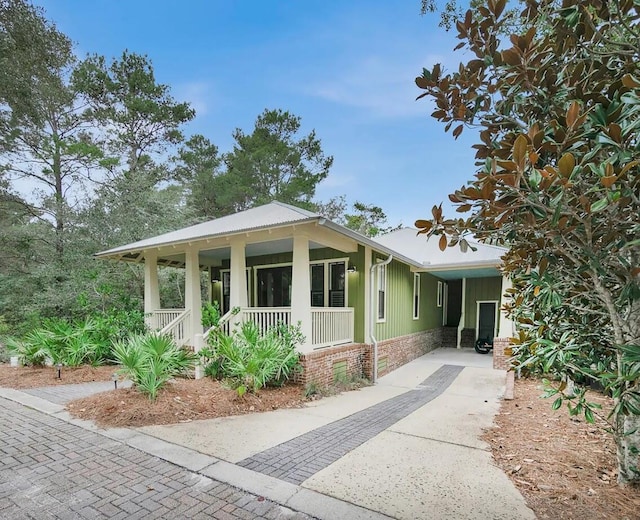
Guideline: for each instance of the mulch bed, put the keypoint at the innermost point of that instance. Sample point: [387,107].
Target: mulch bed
[182,400]
[564,467]
[34,377]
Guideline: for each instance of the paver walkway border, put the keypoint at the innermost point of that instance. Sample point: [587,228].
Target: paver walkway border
[289,495]
[301,457]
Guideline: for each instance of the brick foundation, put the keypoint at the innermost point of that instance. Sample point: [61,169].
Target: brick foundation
[318,366]
[399,351]
[501,361]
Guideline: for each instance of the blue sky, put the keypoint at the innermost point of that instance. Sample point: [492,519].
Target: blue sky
[345,67]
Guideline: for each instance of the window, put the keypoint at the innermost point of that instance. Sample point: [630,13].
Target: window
[274,286]
[328,283]
[382,289]
[225,275]
[416,296]
[439,297]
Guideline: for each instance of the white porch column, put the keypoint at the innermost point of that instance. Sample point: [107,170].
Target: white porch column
[192,292]
[151,288]
[301,290]
[238,283]
[506,327]
[367,294]
[462,316]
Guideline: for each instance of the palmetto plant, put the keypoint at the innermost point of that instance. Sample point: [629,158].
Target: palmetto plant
[251,360]
[150,360]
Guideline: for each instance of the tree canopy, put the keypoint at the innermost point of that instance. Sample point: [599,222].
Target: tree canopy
[93,155]
[558,182]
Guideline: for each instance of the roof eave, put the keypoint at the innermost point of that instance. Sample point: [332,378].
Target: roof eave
[124,250]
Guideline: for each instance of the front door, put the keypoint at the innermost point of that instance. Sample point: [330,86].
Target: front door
[274,287]
[487,320]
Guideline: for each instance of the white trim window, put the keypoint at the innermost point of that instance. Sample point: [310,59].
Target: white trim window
[381,302]
[439,295]
[416,296]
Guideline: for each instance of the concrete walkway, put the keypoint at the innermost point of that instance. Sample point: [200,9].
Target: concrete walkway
[407,448]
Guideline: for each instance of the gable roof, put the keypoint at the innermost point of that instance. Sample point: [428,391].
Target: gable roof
[262,217]
[404,244]
[426,250]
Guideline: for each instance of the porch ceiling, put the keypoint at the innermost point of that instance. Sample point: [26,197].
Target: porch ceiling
[214,257]
[457,274]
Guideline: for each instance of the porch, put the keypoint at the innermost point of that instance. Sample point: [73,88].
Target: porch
[330,326]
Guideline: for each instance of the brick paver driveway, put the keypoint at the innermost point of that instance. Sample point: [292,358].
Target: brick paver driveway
[53,469]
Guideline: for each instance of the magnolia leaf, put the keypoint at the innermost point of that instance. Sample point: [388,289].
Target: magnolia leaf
[442,244]
[519,151]
[566,164]
[608,181]
[600,205]
[425,225]
[572,113]
[629,81]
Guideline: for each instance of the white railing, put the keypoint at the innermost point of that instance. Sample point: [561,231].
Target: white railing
[179,329]
[224,323]
[331,326]
[160,318]
[266,317]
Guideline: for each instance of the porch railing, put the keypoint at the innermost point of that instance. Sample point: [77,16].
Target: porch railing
[160,318]
[266,317]
[331,326]
[224,323]
[179,329]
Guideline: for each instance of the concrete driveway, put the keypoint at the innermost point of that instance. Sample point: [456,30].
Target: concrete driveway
[408,447]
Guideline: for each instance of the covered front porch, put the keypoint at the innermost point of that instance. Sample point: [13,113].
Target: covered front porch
[279,276]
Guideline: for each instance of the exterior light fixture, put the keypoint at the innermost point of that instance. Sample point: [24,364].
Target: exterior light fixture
[114,378]
[59,369]
[351,269]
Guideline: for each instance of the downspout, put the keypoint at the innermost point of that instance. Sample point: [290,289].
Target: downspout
[373,319]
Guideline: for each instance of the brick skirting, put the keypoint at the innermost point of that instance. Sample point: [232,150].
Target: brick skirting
[318,366]
[501,361]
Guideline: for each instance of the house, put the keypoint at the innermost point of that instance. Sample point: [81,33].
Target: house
[366,306]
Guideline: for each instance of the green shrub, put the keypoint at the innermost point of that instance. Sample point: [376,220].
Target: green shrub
[210,315]
[72,344]
[57,341]
[150,360]
[250,360]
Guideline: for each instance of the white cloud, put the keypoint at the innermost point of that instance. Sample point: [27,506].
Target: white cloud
[198,94]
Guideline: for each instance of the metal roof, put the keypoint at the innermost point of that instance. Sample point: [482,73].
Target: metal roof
[404,244]
[261,217]
[426,251]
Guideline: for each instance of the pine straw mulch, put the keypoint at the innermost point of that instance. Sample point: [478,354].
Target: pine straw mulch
[34,377]
[564,467]
[182,400]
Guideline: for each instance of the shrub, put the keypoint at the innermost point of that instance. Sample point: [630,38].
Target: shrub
[210,315]
[150,360]
[57,341]
[77,343]
[250,360]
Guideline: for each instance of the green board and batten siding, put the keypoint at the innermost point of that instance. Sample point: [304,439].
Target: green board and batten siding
[480,289]
[399,316]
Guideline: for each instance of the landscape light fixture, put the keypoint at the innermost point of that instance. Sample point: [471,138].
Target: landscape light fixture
[59,368]
[114,378]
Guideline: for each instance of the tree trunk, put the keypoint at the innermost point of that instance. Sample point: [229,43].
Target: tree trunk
[628,447]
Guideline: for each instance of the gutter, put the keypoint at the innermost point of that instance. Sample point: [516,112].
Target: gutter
[372,318]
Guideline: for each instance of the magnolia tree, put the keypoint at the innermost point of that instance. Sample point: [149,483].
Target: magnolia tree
[558,107]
